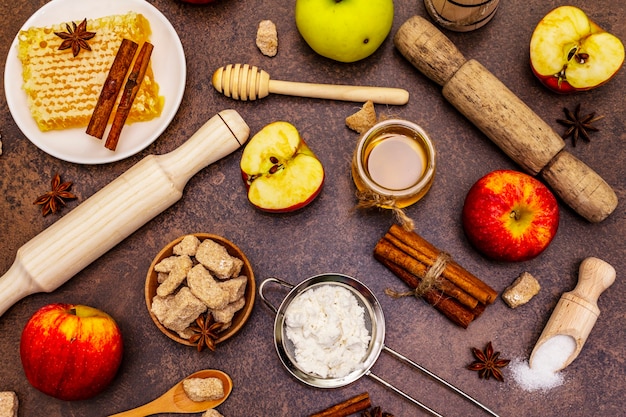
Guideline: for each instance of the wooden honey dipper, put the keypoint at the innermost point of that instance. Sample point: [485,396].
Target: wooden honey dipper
[577,311]
[505,119]
[245,82]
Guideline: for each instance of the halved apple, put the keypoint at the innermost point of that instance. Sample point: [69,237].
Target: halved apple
[280,171]
[569,52]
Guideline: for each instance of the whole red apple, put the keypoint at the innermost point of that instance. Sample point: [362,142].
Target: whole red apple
[70,352]
[510,216]
[569,52]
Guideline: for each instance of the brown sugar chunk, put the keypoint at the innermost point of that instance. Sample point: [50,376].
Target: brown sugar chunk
[212,412]
[177,273]
[203,286]
[226,314]
[521,290]
[203,389]
[187,246]
[216,259]
[364,119]
[235,287]
[267,38]
[177,311]
[8,404]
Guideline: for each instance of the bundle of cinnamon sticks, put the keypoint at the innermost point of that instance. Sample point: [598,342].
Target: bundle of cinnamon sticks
[455,292]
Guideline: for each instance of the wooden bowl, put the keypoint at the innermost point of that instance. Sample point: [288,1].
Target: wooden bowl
[240,316]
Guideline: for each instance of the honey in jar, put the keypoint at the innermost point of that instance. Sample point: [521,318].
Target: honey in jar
[396,160]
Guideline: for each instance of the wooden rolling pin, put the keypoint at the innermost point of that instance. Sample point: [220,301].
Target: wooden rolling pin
[245,82]
[577,311]
[505,119]
[107,217]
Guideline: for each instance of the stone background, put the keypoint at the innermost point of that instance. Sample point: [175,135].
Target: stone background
[328,236]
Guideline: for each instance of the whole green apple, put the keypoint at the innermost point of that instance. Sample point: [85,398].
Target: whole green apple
[344,30]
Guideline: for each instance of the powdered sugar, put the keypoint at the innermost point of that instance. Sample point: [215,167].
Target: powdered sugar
[326,325]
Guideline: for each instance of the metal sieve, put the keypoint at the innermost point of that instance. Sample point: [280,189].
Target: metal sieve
[374,322]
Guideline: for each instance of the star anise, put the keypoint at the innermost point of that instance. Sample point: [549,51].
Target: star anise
[487,363]
[76,37]
[52,200]
[205,332]
[578,126]
[375,412]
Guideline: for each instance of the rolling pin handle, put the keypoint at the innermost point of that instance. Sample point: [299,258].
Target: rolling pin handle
[428,49]
[16,284]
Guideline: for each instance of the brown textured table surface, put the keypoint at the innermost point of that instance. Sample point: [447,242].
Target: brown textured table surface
[328,235]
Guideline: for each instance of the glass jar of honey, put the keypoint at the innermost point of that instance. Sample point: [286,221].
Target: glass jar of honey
[395,160]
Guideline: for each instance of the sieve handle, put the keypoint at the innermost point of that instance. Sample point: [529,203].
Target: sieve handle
[403,394]
[436,378]
[262,288]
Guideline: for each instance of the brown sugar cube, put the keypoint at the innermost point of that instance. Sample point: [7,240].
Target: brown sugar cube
[216,259]
[203,389]
[177,274]
[521,290]
[176,312]
[161,277]
[212,412]
[166,264]
[205,288]
[225,315]
[8,404]
[267,38]
[364,119]
[187,246]
[235,287]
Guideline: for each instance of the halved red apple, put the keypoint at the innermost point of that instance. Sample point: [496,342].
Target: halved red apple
[280,171]
[569,52]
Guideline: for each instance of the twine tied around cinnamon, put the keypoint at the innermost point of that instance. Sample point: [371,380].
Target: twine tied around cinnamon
[428,282]
[370,199]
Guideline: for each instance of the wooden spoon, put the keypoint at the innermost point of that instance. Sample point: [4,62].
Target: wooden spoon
[176,401]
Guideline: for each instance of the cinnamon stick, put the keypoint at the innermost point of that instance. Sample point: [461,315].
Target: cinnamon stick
[112,85]
[423,250]
[449,307]
[128,95]
[389,248]
[345,408]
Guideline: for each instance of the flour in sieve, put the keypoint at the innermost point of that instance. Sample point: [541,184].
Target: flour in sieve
[327,327]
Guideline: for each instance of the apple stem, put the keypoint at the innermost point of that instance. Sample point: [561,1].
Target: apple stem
[514,215]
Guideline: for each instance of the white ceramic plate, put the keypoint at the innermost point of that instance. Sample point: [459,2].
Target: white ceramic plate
[74,145]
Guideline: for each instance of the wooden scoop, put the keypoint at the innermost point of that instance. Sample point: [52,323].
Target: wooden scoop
[245,82]
[106,218]
[176,401]
[576,312]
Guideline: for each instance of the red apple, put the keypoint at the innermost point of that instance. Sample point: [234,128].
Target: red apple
[569,52]
[70,352]
[510,216]
[280,171]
